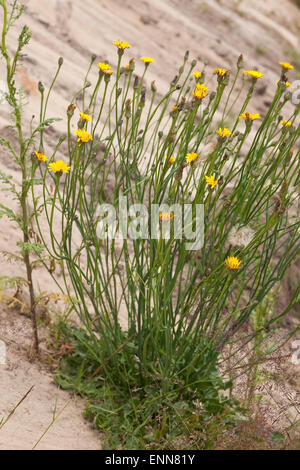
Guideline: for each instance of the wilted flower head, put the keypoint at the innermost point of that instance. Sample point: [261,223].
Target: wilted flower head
[240,236]
[40,156]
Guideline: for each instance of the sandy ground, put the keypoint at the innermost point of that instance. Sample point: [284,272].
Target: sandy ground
[217,31]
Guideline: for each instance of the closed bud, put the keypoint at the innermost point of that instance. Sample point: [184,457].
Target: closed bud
[41,87]
[60,61]
[240,62]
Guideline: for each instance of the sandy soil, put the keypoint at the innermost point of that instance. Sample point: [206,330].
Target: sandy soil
[216,31]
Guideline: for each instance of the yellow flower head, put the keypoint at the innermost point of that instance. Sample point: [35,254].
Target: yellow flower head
[85,117]
[223,133]
[147,60]
[83,136]
[232,262]
[211,181]
[170,159]
[164,216]
[200,91]
[59,167]
[253,73]
[191,157]
[105,68]
[40,156]
[174,108]
[286,124]
[250,116]
[121,45]
[220,72]
[286,66]
[197,75]
[287,84]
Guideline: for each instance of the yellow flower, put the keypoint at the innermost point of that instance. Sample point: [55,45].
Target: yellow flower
[170,159]
[211,181]
[220,72]
[126,67]
[85,117]
[197,74]
[286,124]
[121,45]
[166,216]
[250,116]
[174,108]
[200,91]
[223,133]
[105,68]
[253,73]
[191,157]
[232,262]
[286,66]
[59,167]
[83,136]
[40,156]
[287,84]
[147,60]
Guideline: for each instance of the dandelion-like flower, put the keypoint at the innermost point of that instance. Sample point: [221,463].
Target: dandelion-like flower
[40,156]
[232,262]
[59,167]
[220,72]
[197,75]
[164,216]
[286,66]
[223,133]
[254,74]
[191,157]
[249,116]
[105,68]
[200,92]
[85,117]
[147,60]
[121,45]
[83,136]
[211,181]
[170,159]
[286,124]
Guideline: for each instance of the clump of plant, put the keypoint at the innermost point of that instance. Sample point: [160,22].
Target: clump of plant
[165,217]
